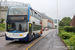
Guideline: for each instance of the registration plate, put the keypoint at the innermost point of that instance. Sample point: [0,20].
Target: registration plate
[16,39]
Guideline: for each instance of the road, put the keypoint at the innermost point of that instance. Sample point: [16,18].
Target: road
[2,33]
[49,42]
[11,45]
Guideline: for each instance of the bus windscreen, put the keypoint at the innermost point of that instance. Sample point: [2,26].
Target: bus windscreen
[18,11]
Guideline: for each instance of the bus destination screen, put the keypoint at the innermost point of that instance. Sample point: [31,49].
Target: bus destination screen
[16,18]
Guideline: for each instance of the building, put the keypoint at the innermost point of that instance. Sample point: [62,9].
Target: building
[73,21]
[47,21]
[55,21]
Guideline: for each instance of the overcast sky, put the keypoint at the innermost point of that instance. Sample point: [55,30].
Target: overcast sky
[66,8]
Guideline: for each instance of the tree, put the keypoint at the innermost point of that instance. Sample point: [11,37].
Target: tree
[2,20]
[65,21]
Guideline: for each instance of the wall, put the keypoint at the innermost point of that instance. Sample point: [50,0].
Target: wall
[3,12]
[45,22]
[73,21]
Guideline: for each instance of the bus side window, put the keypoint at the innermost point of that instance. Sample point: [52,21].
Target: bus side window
[35,14]
[31,12]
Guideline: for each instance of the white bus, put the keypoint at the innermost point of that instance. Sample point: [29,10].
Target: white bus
[22,23]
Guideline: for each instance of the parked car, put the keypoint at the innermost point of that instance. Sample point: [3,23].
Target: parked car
[46,29]
[42,29]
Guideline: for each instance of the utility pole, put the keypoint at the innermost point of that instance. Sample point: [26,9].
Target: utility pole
[0,10]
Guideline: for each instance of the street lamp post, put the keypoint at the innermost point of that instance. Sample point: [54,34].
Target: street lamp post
[0,10]
[57,16]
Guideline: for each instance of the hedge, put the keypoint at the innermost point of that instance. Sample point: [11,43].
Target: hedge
[70,29]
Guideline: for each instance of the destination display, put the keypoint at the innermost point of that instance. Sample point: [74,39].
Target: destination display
[16,18]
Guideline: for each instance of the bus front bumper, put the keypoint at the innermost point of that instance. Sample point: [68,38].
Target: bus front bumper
[17,39]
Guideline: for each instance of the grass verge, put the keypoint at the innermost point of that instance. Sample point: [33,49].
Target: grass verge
[2,27]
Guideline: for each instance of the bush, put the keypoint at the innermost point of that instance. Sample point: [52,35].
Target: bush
[2,20]
[61,31]
[67,42]
[72,41]
[61,28]
[70,29]
[66,35]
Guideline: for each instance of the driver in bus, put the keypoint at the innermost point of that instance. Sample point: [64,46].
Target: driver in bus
[14,28]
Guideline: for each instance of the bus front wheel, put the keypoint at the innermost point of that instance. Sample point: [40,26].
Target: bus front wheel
[33,36]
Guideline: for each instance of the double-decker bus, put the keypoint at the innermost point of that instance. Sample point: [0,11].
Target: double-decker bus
[23,23]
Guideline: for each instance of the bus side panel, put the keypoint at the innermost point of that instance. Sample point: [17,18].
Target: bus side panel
[20,39]
[35,22]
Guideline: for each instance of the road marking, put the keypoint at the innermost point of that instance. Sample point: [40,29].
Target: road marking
[37,41]
[33,43]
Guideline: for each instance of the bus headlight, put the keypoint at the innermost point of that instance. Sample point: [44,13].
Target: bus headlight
[8,35]
[24,35]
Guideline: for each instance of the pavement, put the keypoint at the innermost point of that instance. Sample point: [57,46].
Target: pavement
[2,33]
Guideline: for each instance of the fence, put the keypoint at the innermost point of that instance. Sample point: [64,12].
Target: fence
[13,4]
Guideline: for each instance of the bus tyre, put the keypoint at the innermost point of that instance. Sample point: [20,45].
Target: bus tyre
[33,36]
[40,35]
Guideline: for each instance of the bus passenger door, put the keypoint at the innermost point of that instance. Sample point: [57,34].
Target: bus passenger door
[30,31]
